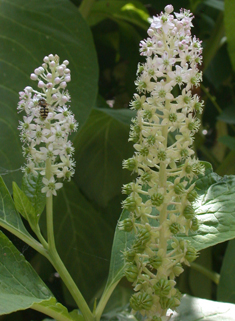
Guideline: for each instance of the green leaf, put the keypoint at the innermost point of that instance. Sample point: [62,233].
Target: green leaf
[215,210]
[190,309]
[229,24]
[228,141]
[226,287]
[83,239]
[31,186]
[101,146]
[217,4]
[9,218]
[20,286]
[56,310]
[121,242]
[29,31]
[228,115]
[24,206]
[195,309]
[133,12]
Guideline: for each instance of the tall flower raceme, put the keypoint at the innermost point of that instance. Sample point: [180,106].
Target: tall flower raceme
[160,199]
[47,124]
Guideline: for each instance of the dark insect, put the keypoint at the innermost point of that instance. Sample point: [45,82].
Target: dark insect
[44,110]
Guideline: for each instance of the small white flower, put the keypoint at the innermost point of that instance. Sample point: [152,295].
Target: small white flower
[50,186]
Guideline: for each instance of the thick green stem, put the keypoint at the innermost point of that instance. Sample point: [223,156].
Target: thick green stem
[70,284]
[215,277]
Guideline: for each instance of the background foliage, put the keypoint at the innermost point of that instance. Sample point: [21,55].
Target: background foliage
[106,38]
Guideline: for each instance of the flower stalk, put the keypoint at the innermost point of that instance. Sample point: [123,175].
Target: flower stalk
[160,200]
[44,133]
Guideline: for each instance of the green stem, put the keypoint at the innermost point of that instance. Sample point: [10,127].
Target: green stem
[70,284]
[85,7]
[55,258]
[104,299]
[215,277]
[27,239]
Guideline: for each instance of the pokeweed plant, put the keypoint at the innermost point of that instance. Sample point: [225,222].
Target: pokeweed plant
[160,199]
[159,223]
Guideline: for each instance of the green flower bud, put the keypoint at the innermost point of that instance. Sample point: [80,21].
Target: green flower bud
[141,301]
[172,117]
[144,151]
[191,196]
[174,228]
[129,255]
[139,246]
[146,177]
[126,225]
[195,224]
[184,152]
[165,302]
[129,204]
[169,303]
[130,164]
[151,140]
[127,189]
[179,189]
[188,212]
[191,254]
[162,287]
[157,199]
[147,114]
[135,133]
[161,155]
[155,261]
[131,272]
[144,235]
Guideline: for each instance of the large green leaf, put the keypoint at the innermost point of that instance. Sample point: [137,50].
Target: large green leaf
[190,309]
[195,309]
[20,286]
[226,287]
[215,209]
[101,146]
[131,11]
[83,239]
[229,24]
[29,30]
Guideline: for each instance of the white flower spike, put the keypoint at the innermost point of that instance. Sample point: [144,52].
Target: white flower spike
[160,200]
[47,124]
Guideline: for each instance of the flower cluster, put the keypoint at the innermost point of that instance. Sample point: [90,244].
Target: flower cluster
[47,124]
[160,200]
